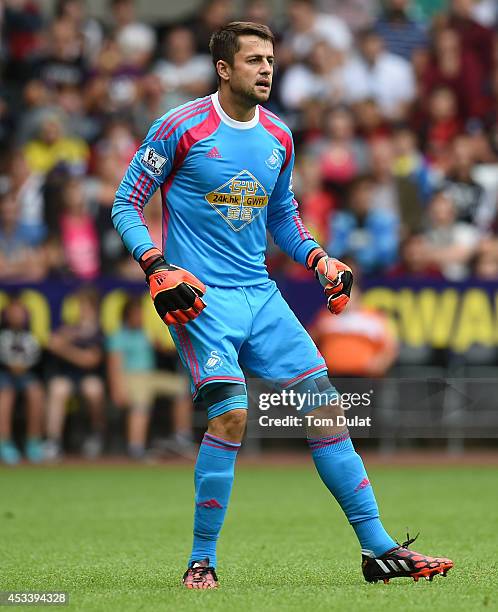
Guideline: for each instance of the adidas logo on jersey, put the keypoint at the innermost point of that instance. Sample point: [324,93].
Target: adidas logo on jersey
[213,153]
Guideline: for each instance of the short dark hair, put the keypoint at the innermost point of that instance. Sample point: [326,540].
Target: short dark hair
[132,302]
[359,181]
[224,43]
[368,32]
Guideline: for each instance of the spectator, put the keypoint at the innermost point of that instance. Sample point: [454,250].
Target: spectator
[97,93]
[23,29]
[378,74]
[481,143]
[310,120]
[474,37]
[135,382]
[317,205]
[27,189]
[440,128]
[355,230]
[135,39]
[52,147]
[317,79]
[19,360]
[385,192]
[114,82]
[212,15]
[409,163]
[78,237]
[74,11]
[359,343]
[485,264]
[122,14]
[100,189]
[260,11]
[77,367]
[70,104]
[356,14]
[451,243]
[137,42]
[183,74]
[369,120]
[36,99]
[340,155]
[470,199]
[453,67]
[150,106]
[396,194]
[21,259]
[401,34]
[63,64]
[117,142]
[415,260]
[307,26]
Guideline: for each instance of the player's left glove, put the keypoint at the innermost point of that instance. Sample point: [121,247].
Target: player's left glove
[335,277]
[176,293]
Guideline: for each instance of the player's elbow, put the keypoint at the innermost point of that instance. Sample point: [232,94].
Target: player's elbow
[118,212]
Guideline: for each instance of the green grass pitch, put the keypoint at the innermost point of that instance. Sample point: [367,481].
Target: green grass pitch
[117,538]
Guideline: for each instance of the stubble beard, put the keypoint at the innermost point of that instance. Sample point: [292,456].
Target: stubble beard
[249,96]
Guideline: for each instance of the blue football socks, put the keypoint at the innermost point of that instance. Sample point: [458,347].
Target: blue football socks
[214,471]
[343,472]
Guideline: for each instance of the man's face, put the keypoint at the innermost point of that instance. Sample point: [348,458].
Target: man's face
[251,75]
[371,47]
[180,45]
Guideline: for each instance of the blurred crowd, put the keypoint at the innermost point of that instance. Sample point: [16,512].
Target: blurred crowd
[86,393]
[393,107]
[394,110]
[106,387]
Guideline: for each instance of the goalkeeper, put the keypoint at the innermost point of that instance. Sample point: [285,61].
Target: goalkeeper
[224,165]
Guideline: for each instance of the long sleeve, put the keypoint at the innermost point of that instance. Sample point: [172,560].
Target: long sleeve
[284,222]
[148,170]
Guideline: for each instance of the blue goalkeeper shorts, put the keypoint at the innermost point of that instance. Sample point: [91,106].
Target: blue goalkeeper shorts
[250,328]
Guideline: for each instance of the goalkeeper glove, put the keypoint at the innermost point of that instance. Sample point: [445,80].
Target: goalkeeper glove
[335,277]
[176,293]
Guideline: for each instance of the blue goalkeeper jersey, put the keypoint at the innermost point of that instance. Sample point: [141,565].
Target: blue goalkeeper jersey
[223,184]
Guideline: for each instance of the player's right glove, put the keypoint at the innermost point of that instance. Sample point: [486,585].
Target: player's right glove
[335,277]
[176,293]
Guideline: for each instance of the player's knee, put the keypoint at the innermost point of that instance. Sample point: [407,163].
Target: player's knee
[226,406]
[317,395]
[230,425]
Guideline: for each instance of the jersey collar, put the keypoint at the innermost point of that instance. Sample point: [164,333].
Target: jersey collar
[238,125]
